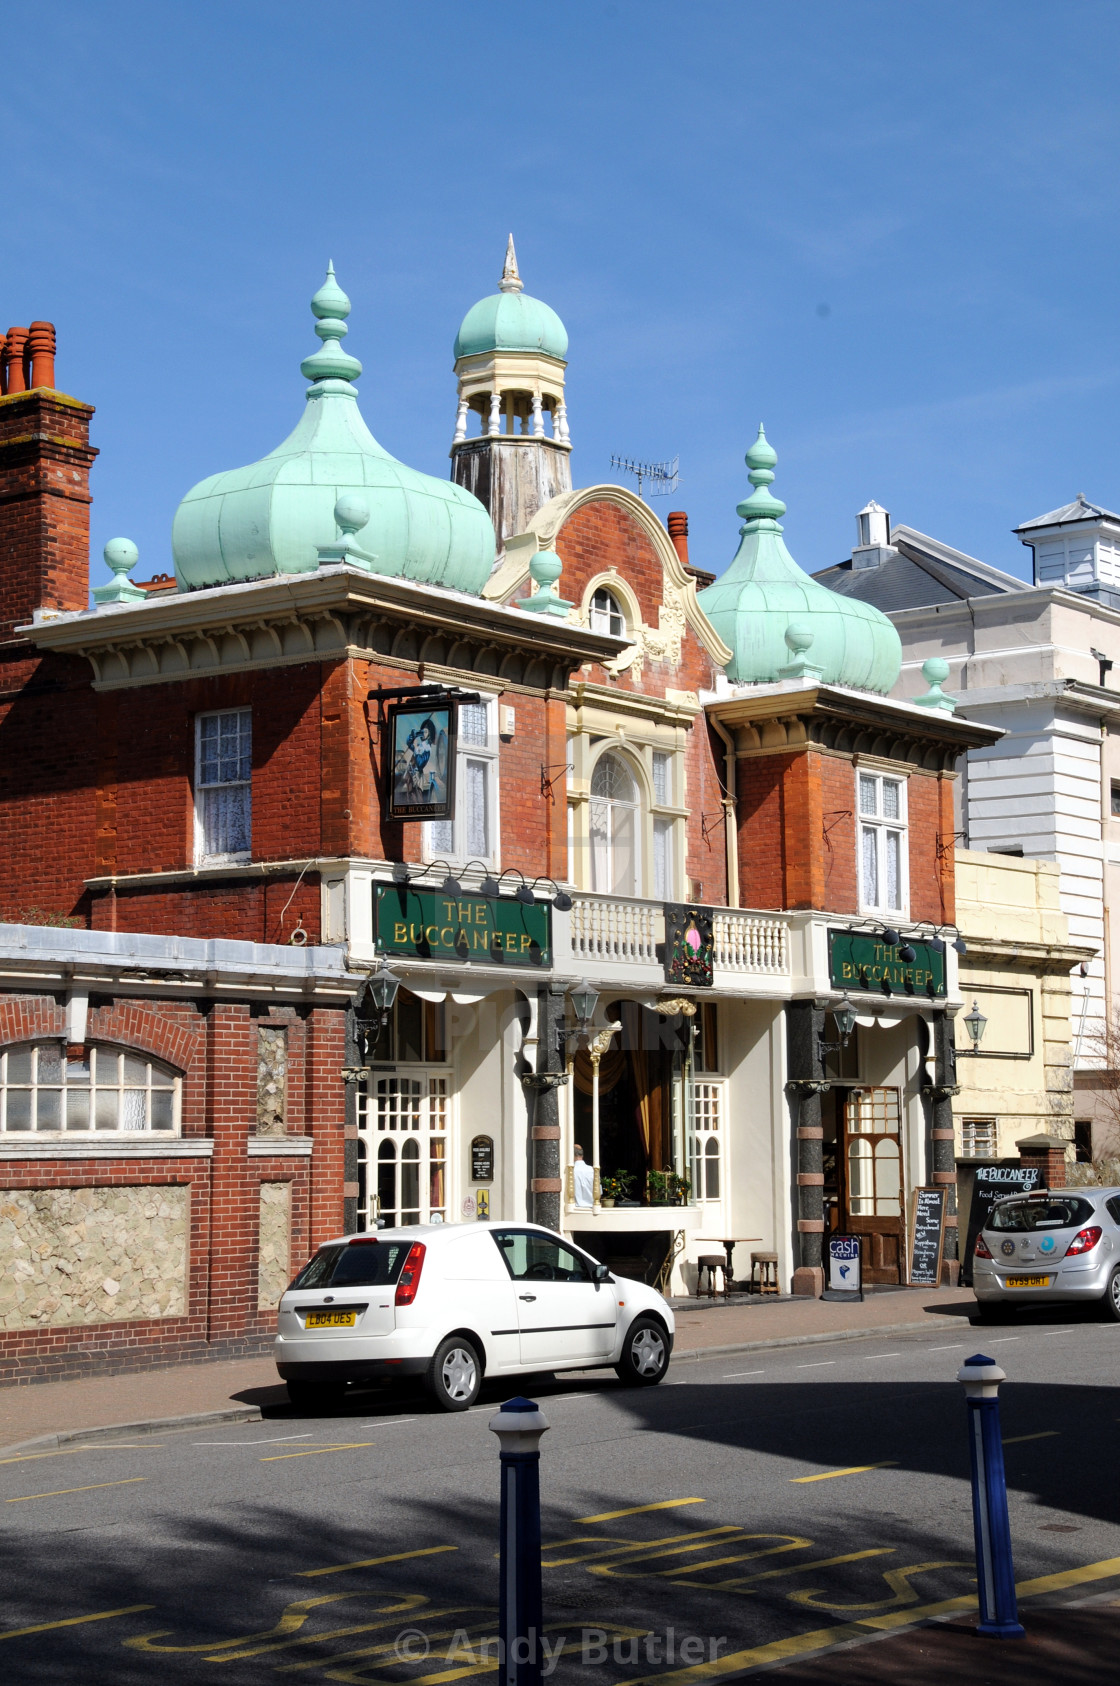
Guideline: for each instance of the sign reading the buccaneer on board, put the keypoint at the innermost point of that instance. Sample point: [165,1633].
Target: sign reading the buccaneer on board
[432,926]
[858,961]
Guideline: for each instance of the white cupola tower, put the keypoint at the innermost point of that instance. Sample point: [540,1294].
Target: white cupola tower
[511,445]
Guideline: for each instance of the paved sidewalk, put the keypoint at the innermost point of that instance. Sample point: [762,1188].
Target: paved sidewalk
[246,1385]
[1074,1646]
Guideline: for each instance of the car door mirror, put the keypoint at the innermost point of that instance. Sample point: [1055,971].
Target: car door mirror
[601,1273]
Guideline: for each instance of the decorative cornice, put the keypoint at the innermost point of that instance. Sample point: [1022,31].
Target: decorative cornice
[764,719]
[337,613]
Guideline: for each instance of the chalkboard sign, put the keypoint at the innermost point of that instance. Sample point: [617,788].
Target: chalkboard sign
[482,1159]
[927,1234]
[993,1182]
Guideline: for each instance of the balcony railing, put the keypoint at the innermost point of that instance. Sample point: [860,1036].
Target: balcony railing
[624,931]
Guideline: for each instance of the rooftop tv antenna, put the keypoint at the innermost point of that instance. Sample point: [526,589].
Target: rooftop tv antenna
[662,477]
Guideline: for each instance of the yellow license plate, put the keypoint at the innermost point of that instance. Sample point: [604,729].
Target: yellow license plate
[331,1319]
[1028,1282]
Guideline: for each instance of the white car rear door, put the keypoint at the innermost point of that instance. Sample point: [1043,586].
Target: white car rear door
[564,1316]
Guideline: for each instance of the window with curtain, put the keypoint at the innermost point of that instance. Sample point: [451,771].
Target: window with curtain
[223,785]
[471,834]
[882,843]
[109,1091]
[613,823]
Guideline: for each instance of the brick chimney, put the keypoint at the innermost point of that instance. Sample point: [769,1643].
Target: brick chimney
[45,458]
[678,533]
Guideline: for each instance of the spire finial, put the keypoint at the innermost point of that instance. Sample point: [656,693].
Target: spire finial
[331,307]
[511,282]
[761,510]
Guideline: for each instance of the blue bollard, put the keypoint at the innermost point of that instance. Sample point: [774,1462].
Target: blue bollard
[519,1426]
[995,1572]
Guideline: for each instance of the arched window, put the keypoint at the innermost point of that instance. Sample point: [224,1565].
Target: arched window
[613,823]
[606,613]
[110,1090]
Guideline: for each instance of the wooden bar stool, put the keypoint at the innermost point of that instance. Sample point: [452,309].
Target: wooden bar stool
[711,1262]
[766,1265]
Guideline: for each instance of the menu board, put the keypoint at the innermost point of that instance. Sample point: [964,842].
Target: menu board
[482,1159]
[993,1182]
[927,1232]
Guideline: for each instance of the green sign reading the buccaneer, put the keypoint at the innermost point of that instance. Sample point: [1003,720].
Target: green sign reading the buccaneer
[433,926]
[857,961]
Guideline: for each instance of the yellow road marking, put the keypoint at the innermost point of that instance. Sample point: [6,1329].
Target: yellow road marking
[369,1562]
[826,1638]
[76,1451]
[292,1618]
[345,1446]
[76,1621]
[29,1457]
[1046,1434]
[390,1620]
[621,1548]
[59,1492]
[834,1474]
[638,1510]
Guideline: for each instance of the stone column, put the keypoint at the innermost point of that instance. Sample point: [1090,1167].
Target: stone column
[544,1122]
[941,1154]
[806,1084]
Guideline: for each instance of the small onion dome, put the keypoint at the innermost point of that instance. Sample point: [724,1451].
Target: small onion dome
[764,595]
[509,320]
[274,516]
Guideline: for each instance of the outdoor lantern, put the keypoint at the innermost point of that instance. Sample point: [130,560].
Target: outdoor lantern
[584,1001]
[890,936]
[907,953]
[975,1024]
[961,946]
[562,902]
[524,895]
[383,987]
[452,886]
[845,1018]
[490,886]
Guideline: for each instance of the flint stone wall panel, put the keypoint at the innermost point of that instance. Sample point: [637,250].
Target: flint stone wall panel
[92,1255]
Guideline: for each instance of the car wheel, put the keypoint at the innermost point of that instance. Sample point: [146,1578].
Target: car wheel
[315,1396]
[1112,1295]
[645,1354]
[455,1374]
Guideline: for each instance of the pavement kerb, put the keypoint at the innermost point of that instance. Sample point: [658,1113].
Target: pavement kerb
[155,1425]
[252,1413]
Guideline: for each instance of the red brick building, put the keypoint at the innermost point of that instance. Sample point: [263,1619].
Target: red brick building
[203,792]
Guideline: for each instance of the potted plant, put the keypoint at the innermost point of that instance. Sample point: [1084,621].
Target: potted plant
[616,1187]
[668,1188]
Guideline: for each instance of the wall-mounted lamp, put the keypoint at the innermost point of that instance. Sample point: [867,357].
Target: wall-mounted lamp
[560,898]
[907,952]
[844,1017]
[975,1023]
[890,936]
[584,998]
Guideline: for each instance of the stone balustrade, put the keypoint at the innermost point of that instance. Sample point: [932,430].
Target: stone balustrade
[626,931]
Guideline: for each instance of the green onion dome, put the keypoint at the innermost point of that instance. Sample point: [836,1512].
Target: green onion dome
[764,594]
[509,320]
[275,516]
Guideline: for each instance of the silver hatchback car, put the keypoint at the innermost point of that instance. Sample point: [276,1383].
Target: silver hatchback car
[1054,1247]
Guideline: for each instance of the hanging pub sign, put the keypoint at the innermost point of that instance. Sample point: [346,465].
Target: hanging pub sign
[430,925]
[482,1159]
[421,740]
[859,961]
[688,945]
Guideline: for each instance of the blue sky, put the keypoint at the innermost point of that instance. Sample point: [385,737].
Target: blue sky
[887,230]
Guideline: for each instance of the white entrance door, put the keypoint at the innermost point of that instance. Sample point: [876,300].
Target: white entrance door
[563,1315]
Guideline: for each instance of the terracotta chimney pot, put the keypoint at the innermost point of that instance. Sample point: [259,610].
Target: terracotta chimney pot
[15,377]
[678,532]
[41,347]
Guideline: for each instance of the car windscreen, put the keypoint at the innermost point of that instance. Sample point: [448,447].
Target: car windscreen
[358,1264]
[1056,1212]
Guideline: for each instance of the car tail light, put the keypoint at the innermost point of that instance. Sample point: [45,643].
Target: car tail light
[1085,1240]
[981,1249]
[410,1275]
[363,1241]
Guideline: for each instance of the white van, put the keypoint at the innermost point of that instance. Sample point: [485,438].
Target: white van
[455,1302]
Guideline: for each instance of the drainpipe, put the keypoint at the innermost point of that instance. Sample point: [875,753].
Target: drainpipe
[730,818]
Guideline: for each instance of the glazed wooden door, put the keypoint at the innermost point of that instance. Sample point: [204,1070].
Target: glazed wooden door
[873,1182]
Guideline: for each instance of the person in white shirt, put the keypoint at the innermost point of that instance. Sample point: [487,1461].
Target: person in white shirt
[583,1179]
